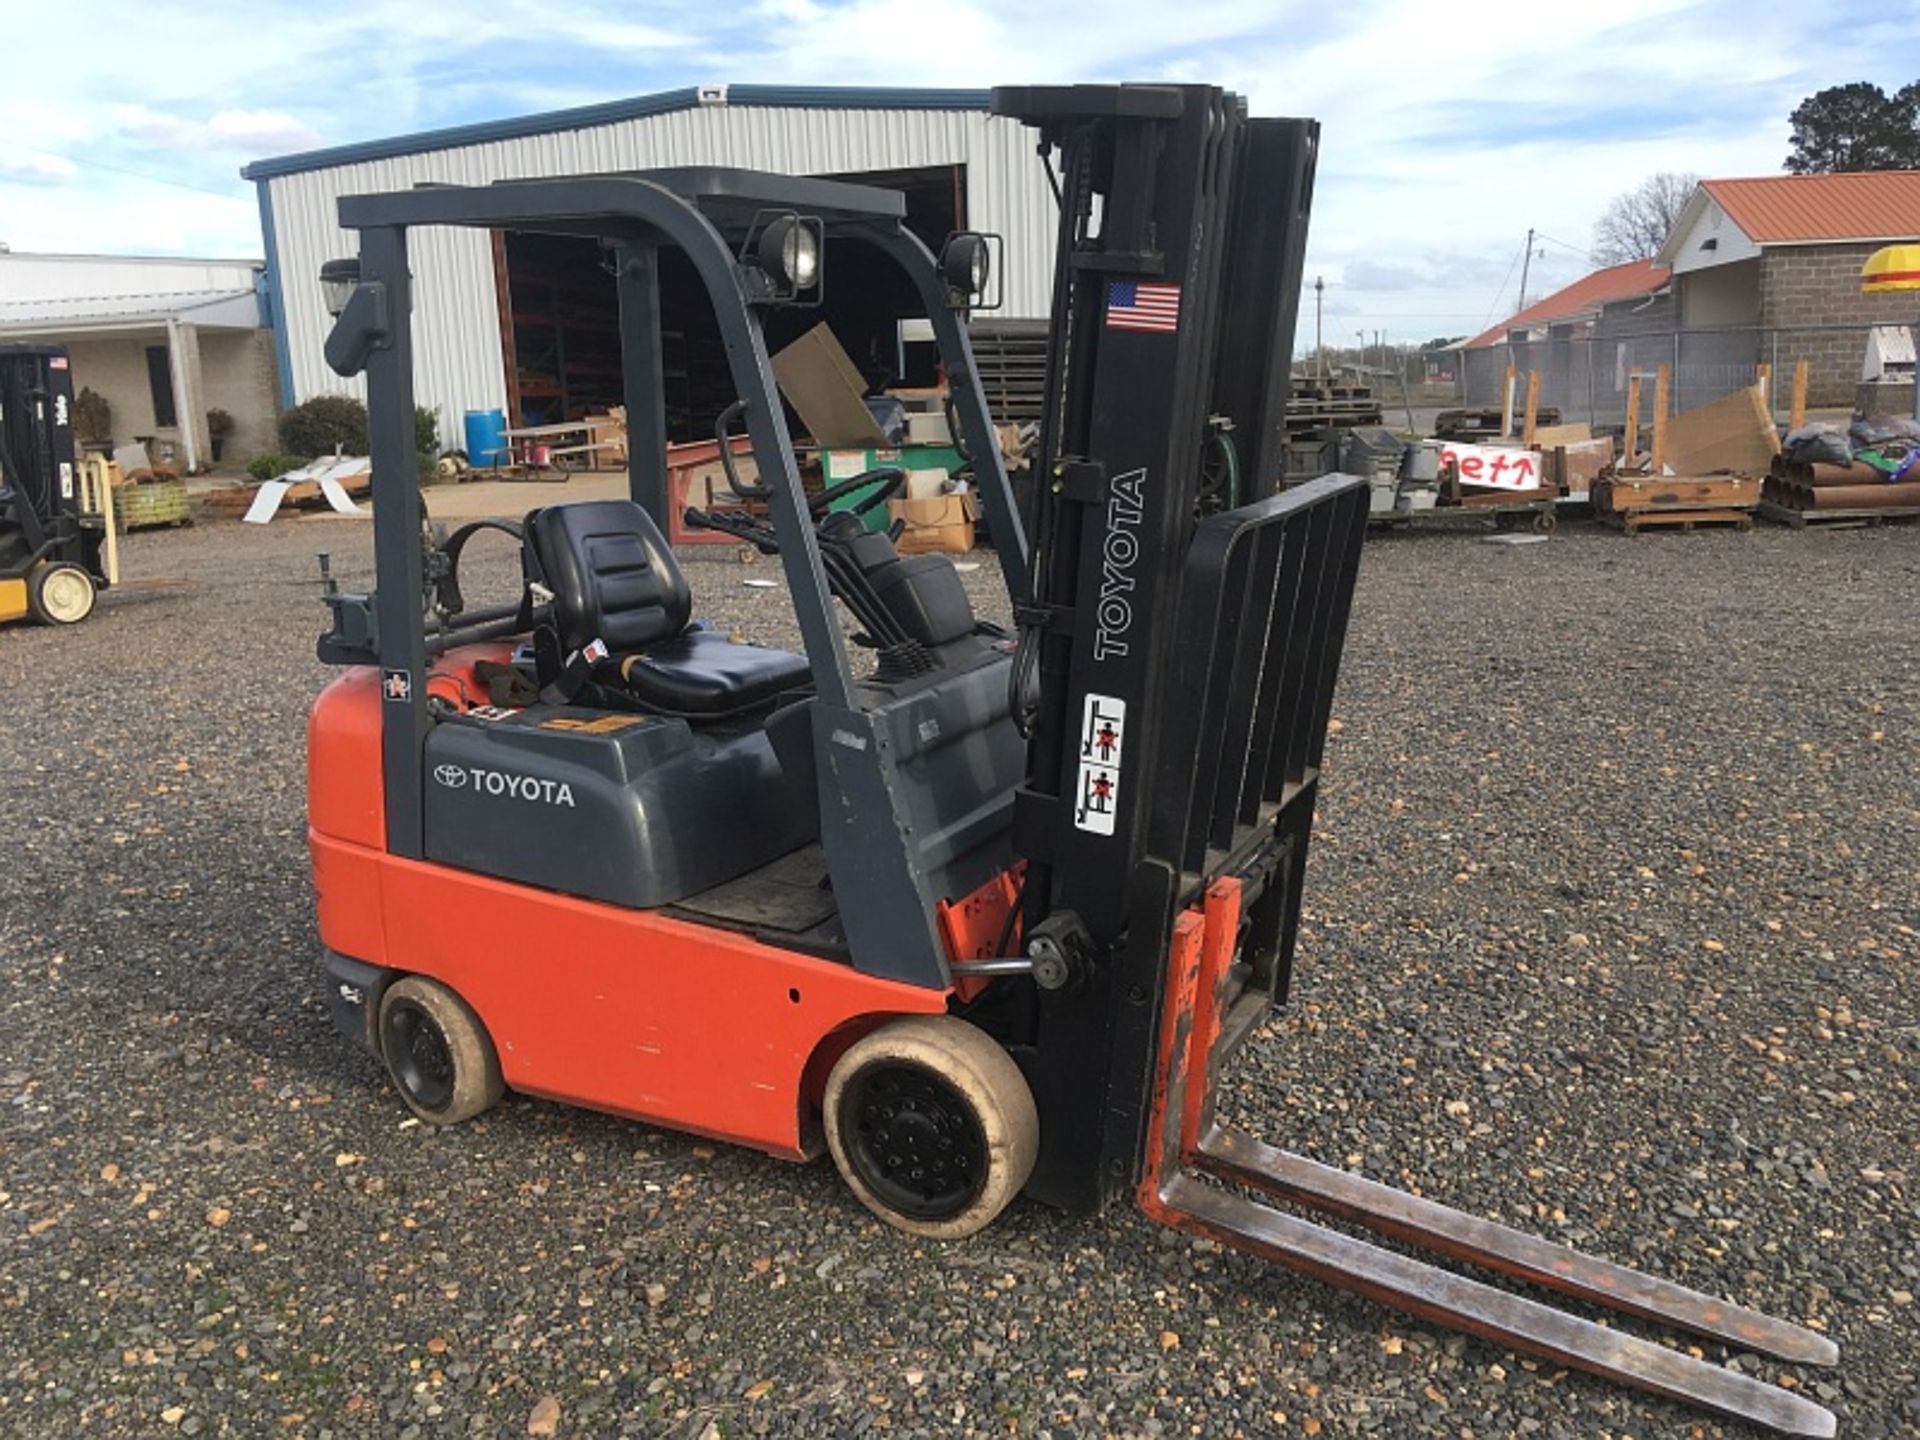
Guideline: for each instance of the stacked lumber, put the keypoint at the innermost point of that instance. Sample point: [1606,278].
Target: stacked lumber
[236,500]
[1010,357]
[1316,406]
[1484,422]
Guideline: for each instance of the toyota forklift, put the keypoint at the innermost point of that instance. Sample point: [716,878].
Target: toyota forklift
[58,547]
[979,912]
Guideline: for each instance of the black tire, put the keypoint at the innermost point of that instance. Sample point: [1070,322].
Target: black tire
[60,594]
[932,1126]
[1545,522]
[437,1052]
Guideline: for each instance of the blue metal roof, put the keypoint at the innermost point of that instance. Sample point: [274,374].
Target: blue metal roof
[804,97]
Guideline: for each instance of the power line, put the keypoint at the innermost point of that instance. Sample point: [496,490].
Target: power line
[1503,287]
[122,170]
[1582,251]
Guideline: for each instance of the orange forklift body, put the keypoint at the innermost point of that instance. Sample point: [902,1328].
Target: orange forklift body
[635,1013]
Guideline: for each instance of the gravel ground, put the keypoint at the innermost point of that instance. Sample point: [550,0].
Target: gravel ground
[1610,933]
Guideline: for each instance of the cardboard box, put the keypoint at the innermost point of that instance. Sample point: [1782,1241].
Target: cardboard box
[826,390]
[1735,432]
[1572,468]
[944,523]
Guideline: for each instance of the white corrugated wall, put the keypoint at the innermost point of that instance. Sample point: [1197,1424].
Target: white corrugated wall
[458,362]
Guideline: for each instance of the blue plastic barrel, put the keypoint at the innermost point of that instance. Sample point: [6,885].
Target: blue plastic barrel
[486,438]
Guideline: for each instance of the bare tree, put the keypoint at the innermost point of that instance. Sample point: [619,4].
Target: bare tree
[1636,224]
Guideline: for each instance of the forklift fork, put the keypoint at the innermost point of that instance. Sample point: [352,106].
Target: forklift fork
[1187,1148]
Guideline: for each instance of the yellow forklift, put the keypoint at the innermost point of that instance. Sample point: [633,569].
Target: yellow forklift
[58,548]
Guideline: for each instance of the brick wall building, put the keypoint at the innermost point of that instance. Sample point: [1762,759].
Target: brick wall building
[1773,265]
[1805,290]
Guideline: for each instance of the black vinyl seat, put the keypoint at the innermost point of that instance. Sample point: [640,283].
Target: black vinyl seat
[614,578]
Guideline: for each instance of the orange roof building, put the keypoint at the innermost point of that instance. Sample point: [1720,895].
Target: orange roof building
[1581,300]
[1874,208]
[1763,270]
[1779,257]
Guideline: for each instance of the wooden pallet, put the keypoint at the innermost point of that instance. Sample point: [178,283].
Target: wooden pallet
[1838,519]
[1674,517]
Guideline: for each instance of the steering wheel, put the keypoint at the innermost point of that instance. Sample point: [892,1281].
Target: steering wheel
[894,478]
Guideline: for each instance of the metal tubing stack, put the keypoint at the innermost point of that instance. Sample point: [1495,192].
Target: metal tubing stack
[1798,486]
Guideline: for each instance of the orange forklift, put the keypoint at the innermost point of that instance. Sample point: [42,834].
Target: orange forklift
[984,913]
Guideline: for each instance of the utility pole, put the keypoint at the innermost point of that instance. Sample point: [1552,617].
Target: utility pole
[1319,344]
[1363,348]
[1526,264]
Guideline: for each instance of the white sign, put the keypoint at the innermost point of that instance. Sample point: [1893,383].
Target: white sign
[1492,467]
[1103,727]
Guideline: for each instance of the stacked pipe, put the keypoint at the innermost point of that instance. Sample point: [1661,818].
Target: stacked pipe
[1858,486]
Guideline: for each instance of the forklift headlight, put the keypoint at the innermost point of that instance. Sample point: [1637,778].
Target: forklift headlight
[967,263]
[966,269]
[337,281]
[791,250]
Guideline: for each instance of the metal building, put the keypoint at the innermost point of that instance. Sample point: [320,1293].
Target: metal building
[509,321]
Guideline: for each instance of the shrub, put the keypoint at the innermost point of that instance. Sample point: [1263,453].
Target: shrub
[270,467]
[426,431]
[92,417]
[325,423]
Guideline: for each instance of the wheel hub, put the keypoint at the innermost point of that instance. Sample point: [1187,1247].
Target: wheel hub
[915,1141]
[419,1056]
[66,594]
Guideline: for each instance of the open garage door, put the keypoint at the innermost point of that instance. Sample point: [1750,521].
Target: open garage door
[560,321]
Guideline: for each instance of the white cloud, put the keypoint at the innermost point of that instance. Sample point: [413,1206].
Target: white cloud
[34,164]
[256,132]
[1446,134]
[246,133]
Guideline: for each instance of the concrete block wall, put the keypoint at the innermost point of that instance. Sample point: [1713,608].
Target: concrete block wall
[116,369]
[234,372]
[236,368]
[1808,286]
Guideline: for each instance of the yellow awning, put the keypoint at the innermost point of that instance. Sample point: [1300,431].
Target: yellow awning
[1892,267]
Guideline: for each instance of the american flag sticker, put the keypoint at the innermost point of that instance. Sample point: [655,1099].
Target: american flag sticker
[1132,305]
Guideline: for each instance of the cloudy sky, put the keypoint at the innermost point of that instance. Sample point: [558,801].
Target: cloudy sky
[1448,129]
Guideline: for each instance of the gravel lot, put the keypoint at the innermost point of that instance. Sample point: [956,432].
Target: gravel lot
[1611,933]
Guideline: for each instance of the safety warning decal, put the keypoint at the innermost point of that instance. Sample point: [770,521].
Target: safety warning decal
[397,684]
[1103,726]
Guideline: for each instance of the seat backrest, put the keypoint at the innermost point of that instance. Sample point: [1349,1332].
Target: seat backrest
[612,575]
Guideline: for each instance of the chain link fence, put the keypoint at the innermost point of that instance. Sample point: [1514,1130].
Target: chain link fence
[1586,377]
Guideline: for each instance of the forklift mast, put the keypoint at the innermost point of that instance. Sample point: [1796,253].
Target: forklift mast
[39,508]
[1187,616]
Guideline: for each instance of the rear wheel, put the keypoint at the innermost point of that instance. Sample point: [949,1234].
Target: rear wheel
[439,1054]
[932,1125]
[60,594]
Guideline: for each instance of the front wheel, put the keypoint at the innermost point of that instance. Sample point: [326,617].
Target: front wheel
[932,1126]
[60,594]
[439,1055]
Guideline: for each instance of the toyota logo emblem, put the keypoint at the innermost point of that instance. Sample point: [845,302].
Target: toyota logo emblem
[451,776]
